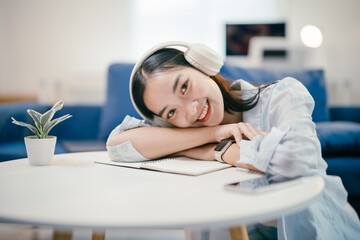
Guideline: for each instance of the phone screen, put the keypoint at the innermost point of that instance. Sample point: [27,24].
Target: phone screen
[252,183]
[258,185]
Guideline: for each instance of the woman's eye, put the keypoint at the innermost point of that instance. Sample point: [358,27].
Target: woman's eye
[184,87]
[171,113]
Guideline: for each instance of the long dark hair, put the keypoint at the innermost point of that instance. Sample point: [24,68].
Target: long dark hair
[169,58]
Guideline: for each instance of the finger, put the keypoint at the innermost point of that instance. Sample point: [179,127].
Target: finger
[264,134]
[248,132]
[255,131]
[237,134]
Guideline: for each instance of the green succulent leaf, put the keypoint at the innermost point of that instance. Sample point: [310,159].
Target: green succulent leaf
[57,106]
[36,117]
[48,126]
[31,127]
[46,117]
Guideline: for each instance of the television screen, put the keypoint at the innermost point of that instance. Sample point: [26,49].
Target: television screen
[238,36]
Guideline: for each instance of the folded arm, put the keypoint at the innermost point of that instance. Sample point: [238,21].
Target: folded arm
[156,142]
[133,141]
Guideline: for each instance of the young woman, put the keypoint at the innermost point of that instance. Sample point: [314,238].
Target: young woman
[190,109]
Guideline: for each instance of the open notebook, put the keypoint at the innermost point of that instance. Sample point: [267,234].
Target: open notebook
[180,165]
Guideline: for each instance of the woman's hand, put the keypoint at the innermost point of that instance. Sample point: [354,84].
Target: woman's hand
[238,131]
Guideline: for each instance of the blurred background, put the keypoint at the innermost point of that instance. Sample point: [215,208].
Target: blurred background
[61,50]
[52,49]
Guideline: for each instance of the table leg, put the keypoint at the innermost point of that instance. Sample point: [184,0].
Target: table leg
[62,235]
[98,235]
[238,233]
[197,234]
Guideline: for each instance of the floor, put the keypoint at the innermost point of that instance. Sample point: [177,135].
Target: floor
[22,232]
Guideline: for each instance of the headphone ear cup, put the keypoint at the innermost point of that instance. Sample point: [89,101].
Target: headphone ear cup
[204,58]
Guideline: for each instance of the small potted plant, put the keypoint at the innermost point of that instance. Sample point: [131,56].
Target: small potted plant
[40,148]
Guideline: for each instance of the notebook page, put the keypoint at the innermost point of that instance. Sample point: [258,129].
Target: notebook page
[121,164]
[183,165]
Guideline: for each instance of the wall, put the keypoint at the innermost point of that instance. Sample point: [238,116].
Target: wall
[197,20]
[58,48]
[61,49]
[339,54]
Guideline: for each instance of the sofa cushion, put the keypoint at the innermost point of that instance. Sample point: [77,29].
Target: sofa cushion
[339,138]
[313,80]
[348,168]
[118,103]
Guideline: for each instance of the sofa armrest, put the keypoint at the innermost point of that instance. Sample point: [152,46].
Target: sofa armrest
[351,113]
[10,132]
[339,138]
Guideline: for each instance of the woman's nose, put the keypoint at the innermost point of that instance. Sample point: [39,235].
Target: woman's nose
[192,109]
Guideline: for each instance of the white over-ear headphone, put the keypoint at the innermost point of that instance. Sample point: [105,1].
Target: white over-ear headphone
[198,55]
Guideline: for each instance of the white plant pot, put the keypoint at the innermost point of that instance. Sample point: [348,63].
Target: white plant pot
[40,151]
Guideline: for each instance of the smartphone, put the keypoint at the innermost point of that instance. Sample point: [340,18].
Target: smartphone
[260,185]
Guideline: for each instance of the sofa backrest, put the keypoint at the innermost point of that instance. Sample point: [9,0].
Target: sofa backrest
[313,80]
[118,103]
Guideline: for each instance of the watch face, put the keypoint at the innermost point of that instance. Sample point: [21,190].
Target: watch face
[222,144]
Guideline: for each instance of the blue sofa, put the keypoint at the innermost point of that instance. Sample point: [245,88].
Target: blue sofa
[338,128]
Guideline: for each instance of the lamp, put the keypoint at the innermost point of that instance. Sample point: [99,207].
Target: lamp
[311,36]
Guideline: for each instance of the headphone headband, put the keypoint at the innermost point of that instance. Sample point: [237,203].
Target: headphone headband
[198,55]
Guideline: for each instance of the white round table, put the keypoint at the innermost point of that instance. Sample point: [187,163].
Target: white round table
[75,192]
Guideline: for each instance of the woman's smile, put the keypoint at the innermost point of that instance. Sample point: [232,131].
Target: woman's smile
[205,113]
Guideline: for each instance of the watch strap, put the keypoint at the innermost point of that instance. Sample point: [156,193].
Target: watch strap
[221,148]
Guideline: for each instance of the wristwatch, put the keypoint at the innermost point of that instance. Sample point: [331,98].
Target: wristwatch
[221,148]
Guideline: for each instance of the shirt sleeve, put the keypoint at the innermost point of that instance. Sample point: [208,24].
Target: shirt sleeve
[125,152]
[291,148]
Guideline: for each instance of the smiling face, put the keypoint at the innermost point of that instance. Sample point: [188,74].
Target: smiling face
[185,97]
